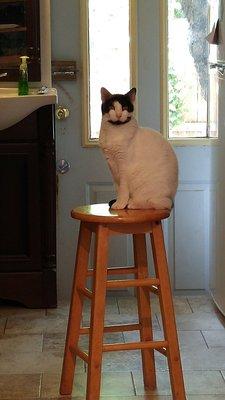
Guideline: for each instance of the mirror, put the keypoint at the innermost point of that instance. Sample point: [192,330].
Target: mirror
[19,35]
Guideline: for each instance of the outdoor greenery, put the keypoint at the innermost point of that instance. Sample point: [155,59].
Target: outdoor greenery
[176,107]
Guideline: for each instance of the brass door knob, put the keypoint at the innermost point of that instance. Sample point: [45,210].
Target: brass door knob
[62,113]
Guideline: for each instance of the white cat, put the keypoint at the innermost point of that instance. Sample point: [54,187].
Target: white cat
[143,164]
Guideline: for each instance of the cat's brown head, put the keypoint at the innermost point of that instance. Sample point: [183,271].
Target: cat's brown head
[118,107]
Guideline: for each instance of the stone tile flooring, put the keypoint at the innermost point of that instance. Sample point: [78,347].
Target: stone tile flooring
[32,344]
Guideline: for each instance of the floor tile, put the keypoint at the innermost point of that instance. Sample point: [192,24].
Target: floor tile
[197,321]
[207,359]
[21,343]
[206,397]
[112,384]
[214,338]
[111,306]
[196,382]
[9,311]
[129,361]
[201,303]
[51,324]
[163,384]
[25,363]
[62,309]
[128,305]
[127,319]
[187,339]
[55,342]
[14,386]
[144,397]
[204,383]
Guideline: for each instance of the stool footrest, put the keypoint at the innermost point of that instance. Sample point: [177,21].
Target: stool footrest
[120,283]
[114,328]
[78,352]
[86,292]
[135,346]
[117,271]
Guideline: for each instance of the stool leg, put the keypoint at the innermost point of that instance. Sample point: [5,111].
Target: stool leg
[144,311]
[97,314]
[167,310]
[76,305]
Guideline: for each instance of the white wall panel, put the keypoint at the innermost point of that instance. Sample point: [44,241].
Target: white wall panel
[191,237]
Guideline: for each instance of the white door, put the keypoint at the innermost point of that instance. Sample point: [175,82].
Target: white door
[89,180]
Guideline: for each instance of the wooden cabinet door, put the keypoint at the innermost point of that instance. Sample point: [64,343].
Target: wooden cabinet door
[20,208]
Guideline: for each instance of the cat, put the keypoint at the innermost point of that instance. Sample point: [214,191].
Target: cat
[143,164]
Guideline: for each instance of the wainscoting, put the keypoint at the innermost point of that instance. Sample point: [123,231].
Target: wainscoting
[187,234]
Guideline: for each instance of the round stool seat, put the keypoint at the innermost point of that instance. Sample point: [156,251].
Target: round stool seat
[101,213]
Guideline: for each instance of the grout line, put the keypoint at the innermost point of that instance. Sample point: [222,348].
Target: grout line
[117,303]
[4,329]
[190,305]
[134,387]
[40,384]
[161,328]
[222,375]
[42,347]
[204,339]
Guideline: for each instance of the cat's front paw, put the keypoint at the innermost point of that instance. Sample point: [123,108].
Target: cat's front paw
[119,205]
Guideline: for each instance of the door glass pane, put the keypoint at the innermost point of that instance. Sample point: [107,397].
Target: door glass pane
[109,53]
[188,77]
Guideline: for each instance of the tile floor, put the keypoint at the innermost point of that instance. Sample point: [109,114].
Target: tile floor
[32,343]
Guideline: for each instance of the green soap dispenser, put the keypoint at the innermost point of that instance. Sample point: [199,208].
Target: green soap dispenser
[23,88]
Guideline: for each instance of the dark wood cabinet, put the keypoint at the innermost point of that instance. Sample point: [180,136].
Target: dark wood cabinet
[27,211]
[19,36]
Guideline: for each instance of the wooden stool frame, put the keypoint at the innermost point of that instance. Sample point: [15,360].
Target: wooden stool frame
[160,286]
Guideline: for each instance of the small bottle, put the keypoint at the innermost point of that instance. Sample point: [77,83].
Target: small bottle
[23,88]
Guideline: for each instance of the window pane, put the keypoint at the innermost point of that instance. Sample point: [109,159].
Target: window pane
[109,41]
[188,76]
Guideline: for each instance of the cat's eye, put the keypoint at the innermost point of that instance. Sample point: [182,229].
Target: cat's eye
[111,108]
[125,108]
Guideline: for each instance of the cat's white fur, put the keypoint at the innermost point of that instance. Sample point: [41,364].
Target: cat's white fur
[143,164]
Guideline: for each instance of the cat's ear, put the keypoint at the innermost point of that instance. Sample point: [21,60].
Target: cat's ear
[105,94]
[132,94]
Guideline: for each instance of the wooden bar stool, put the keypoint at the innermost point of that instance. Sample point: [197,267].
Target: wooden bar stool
[102,221]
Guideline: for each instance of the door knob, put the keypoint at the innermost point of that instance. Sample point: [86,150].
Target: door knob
[62,113]
[62,166]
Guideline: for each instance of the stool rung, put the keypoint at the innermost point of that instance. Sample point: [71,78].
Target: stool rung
[86,292]
[163,351]
[154,289]
[114,328]
[135,346]
[121,283]
[82,354]
[117,271]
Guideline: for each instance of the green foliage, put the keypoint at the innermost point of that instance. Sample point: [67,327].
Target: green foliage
[176,106]
[178,12]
